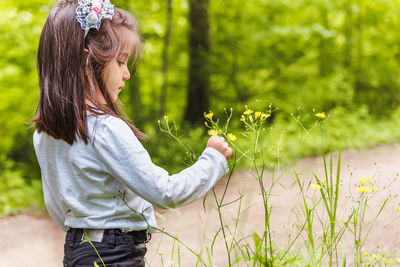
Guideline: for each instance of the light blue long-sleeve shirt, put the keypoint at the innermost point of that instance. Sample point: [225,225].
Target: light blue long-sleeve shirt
[83,183]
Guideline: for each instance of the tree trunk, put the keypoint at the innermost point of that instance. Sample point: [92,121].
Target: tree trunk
[325,63]
[165,60]
[199,73]
[349,36]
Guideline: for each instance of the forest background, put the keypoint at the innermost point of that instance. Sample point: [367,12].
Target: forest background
[294,57]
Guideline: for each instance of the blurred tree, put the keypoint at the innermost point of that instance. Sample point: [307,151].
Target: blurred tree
[199,69]
[133,85]
[165,60]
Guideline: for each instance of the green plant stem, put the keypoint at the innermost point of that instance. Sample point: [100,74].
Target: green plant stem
[90,242]
[222,226]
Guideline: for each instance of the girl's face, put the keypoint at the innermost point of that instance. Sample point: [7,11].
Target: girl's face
[115,75]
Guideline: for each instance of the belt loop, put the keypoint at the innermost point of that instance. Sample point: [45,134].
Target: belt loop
[111,238]
[71,237]
[78,234]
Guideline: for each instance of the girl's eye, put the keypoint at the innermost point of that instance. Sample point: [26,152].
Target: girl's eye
[121,63]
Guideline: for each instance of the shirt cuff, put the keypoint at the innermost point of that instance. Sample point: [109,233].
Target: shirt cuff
[215,154]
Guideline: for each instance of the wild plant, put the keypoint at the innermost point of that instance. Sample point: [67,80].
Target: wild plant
[324,209]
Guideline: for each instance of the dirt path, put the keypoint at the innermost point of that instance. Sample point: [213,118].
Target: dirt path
[27,240]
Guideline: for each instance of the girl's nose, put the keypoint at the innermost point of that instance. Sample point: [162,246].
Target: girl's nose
[126,75]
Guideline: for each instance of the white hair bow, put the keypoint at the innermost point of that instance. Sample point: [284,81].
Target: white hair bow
[89,13]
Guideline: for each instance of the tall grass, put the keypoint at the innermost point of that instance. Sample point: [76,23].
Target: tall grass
[322,248]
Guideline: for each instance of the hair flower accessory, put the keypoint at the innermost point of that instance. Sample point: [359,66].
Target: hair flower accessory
[89,13]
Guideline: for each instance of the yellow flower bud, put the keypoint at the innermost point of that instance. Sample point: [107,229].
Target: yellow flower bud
[365,180]
[209,115]
[231,137]
[363,189]
[315,187]
[212,132]
[248,112]
[264,116]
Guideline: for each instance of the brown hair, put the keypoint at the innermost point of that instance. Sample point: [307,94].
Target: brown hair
[71,70]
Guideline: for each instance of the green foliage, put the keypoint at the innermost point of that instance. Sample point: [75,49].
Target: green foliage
[340,57]
[16,194]
[20,26]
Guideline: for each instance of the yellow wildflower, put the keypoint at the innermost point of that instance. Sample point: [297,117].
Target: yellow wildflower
[363,189]
[251,118]
[365,180]
[384,260]
[257,115]
[398,209]
[320,115]
[231,137]
[264,116]
[315,186]
[248,112]
[374,188]
[243,118]
[375,256]
[209,115]
[212,132]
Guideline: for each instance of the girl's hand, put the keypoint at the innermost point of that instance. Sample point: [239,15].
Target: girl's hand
[217,142]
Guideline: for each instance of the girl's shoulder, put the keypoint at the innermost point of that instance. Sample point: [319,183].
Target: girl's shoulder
[107,126]
[104,120]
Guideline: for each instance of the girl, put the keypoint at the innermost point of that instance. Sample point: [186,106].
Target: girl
[98,180]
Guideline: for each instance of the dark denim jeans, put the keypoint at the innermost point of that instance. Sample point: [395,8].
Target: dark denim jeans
[117,249]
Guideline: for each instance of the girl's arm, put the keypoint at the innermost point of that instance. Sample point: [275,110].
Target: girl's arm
[125,159]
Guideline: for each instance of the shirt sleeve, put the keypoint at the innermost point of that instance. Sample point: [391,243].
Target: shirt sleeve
[125,158]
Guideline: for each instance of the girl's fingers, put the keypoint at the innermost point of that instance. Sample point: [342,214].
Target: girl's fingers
[229,152]
[219,143]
